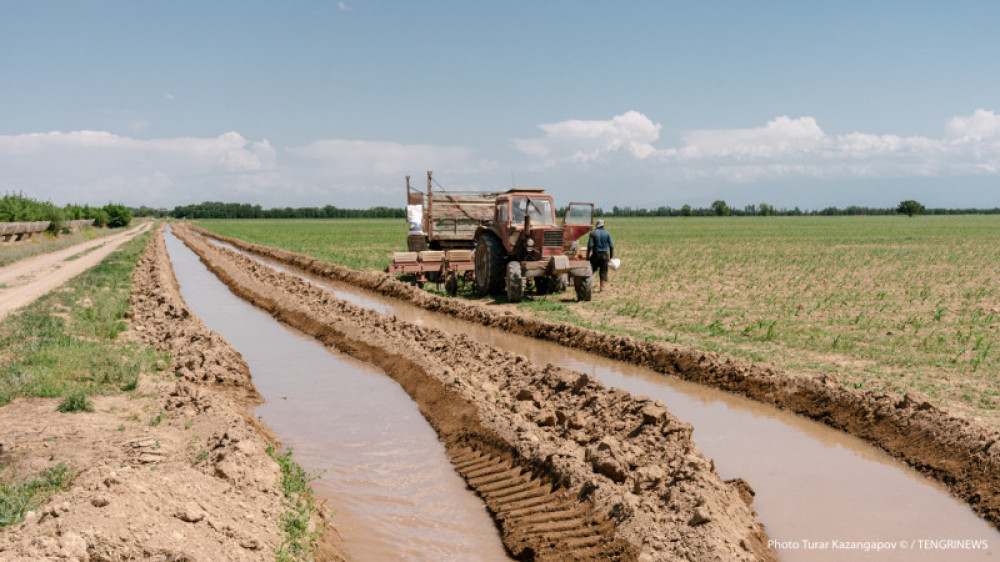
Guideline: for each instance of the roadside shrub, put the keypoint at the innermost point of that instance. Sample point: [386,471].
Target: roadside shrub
[78,212]
[54,215]
[100,218]
[118,215]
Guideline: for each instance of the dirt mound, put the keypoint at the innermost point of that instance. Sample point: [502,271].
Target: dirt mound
[957,452]
[177,470]
[569,468]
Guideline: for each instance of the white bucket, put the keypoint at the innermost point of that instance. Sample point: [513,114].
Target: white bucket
[615,263]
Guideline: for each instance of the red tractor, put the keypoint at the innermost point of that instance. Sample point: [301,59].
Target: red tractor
[522,244]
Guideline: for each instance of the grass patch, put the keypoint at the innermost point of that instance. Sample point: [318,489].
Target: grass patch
[21,495]
[76,402]
[157,419]
[75,257]
[299,542]
[66,343]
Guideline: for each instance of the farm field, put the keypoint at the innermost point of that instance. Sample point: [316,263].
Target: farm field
[884,303]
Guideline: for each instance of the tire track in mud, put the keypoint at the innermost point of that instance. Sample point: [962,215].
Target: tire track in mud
[539,519]
[568,468]
[962,454]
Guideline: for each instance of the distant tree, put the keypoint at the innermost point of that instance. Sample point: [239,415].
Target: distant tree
[720,208]
[910,208]
[750,210]
[765,210]
[118,215]
[686,210]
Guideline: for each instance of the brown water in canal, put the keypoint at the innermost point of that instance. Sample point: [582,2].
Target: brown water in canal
[815,485]
[382,467]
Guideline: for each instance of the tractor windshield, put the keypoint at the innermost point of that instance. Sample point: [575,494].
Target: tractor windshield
[539,209]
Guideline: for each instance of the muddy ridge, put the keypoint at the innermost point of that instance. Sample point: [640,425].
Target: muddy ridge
[177,470]
[960,453]
[209,369]
[569,468]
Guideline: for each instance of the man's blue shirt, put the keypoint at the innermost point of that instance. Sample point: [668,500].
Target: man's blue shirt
[600,241]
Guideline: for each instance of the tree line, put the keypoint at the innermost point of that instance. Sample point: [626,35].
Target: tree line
[720,208]
[19,208]
[219,210]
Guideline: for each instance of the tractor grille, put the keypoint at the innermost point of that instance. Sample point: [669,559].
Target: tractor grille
[553,238]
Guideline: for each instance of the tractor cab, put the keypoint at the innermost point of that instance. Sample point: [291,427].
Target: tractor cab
[523,245]
[525,221]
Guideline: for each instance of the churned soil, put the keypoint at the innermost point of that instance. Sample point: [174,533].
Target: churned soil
[962,454]
[569,468]
[176,470]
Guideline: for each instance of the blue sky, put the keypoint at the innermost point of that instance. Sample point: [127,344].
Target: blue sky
[628,103]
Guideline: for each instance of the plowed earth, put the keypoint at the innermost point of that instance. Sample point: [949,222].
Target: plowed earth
[195,484]
[569,468]
[960,453]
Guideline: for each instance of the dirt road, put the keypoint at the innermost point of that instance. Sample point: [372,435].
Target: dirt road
[24,281]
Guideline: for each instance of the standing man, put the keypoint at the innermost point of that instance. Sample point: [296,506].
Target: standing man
[600,250]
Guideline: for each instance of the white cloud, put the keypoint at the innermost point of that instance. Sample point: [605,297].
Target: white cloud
[343,7]
[580,156]
[376,168]
[96,166]
[781,136]
[783,147]
[980,125]
[169,97]
[354,158]
[582,141]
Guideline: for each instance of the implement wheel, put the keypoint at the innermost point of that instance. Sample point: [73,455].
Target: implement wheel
[551,284]
[584,287]
[489,265]
[515,284]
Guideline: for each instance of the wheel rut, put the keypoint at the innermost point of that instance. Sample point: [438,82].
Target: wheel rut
[538,518]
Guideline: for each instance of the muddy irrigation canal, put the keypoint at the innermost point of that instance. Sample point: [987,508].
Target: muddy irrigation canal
[812,483]
[395,491]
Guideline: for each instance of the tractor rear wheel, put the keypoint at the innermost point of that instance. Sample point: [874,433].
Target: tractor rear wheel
[489,265]
[584,287]
[515,283]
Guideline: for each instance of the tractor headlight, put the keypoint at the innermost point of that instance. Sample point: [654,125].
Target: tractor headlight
[531,242]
